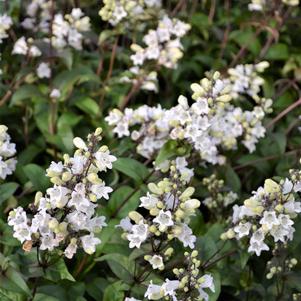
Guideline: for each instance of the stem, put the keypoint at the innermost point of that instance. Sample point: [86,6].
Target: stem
[284,112]
[178,7]
[80,266]
[134,89]
[207,267]
[267,159]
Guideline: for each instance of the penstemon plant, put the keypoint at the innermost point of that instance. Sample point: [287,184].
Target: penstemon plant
[191,106]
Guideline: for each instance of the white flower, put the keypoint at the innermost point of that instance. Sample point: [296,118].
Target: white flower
[149,201]
[279,232]
[154,292]
[140,230]
[243,229]
[89,243]
[157,262]
[48,242]
[43,70]
[101,191]
[20,46]
[207,282]
[287,186]
[125,224]
[58,196]
[135,241]
[71,249]
[257,247]
[55,93]
[164,219]
[169,287]
[104,160]
[186,236]
[269,219]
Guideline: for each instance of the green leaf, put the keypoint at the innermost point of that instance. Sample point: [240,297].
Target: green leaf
[106,234]
[58,271]
[167,151]
[278,52]
[246,38]
[114,292]
[88,105]
[17,278]
[131,168]
[26,92]
[67,79]
[37,177]
[7,190]
[232,179]
[6,295]
[120,265]
[43,297]
[123,200]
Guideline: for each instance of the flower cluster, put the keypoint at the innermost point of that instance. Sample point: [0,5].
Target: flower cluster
[65,216]
[245,79]
[169,205]
[38,16]
[61,31]
[164,48]
[117,11]
[219,198]
[189,284]
[211,121]
[268,213]
[7,151]
[163,44]
[5,24]
[68,30]
[26,47]
[260,5]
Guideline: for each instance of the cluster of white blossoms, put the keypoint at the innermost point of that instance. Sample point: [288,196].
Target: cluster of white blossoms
[210,123]
[164,48]
[128,11]
[65,216]
[169,205]
[219,198]
[67,30]
[26,47]
[245,79]
[163,44]
[7,151]
[5,24]
[189,284]
[269,213]
[260,5]
[38,16]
